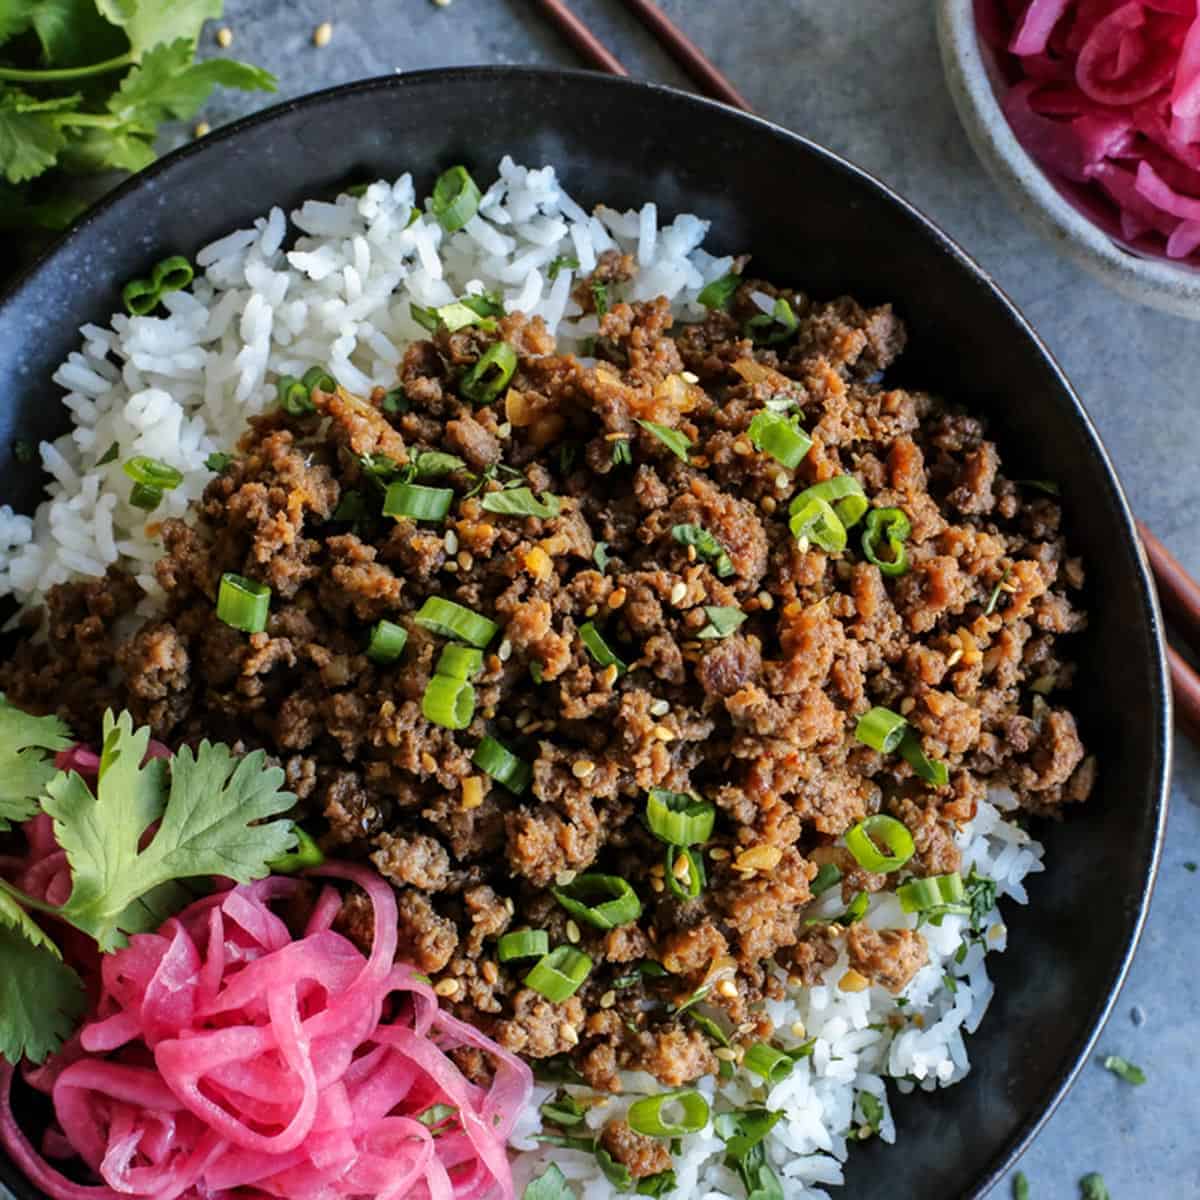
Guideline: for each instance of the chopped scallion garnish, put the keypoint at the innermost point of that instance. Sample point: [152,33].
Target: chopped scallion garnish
[604,901]
[417,501]
[110,455]
[890,526]
[843,492]
[387,642]
[460,662]
[293,396]
[140,297]
[452,620]
[773,1065]
[171,274]
[781,437]
[669,1114]
[676,442]
[243,603]
[680,818]
[153,473]
[502,765]
[448,702]
[881,729]
[1124,1069]
[559,974]
[214,462]
[456,198]
[684,872]
[825,878]
[769,329]
[934,892]
[521,502]
[490,375]
[815,521]
[562,263]
[863,840]
[707,547]
[719,292]
[598,648]
[600,297]
[523,943]
[722,621]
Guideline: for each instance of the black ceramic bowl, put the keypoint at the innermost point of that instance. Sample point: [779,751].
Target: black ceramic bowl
[812,220]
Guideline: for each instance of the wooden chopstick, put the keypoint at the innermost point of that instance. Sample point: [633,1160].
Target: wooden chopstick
[1179,592]
[687,54]
[581,37]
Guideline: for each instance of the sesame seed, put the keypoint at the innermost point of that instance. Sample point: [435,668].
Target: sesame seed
[591,610]
[691,554]
[727,988]
[741,446]
[681,868]
[504,430]
[617,598]
[509,906]
[581,768]
[465,560]
[766,601]
[657,869]
[489,712]
[202,128]
[759,858]
[572,933]
[954,657]
[996,932]
[768,504]
[452,567]
[718,854]
[782,483]
[504,650]
[656,885]
[660,708]
[853,981]
[798,1029]
[679,592]
[472,792]
[663,733]
[428,762]
[609,675]
[725,1054]
[608,999]
[564,877]
[567,1034]
[224,37]
[802,545]
[523,718]
[907,705]
[616,437]
[450,541]
[322,34]
[490,972]
[446,987]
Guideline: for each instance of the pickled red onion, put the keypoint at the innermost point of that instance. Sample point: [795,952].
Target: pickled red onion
[224,1056]
[1105,95]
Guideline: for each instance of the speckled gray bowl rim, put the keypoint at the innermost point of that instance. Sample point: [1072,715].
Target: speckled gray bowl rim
[1173,289]
[1097,1013]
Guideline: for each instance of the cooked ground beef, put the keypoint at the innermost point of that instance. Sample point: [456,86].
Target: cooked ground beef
[758,717]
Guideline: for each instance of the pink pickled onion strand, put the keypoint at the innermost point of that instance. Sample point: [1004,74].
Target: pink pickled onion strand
[1105,95]
[1035,27]
[225,1057]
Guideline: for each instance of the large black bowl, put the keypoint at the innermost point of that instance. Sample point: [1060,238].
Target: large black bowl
[813,220]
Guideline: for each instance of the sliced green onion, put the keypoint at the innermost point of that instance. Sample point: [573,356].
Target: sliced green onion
[719,293]
[680,818]
[600,297]
[524,943]
[688,883]
[521,502]
[318,379]
[722,621]
[395,402]
[1020,1186]
[598,648]
[562,263]
[710,1027]
[418,502]
[153,473]
[427,318]
[537,672]
[430,464]
[380,467]
[293,396]
[140,297]
[872,1109]
[214,462]
[781,437]
[892,525]
[143,496]
[436,1115]
[352,507]
[172,274]
[387,642]
[451,620]
[1093,1187]
[929,769]
[707,547]
[694,998]
[458,316]
[306,854]
[855,910]
[863,842]
[448,702]
[816,521]
[773,1065]
[460,662]
[650,1115]
[1124,1069]
[1040,485]
[934,891]
[881,729]
[601,556]
[825,878]
[844,492]
[110,455]
[768,329]
[620,906]
[502,765]
[490,375]
[559,974]
[243,603]
[676,442]
[456,198]
[622,453]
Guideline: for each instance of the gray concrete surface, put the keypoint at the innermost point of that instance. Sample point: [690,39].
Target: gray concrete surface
[863,77]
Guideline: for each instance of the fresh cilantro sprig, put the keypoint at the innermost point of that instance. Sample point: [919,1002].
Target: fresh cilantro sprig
[133,845]
[84,85]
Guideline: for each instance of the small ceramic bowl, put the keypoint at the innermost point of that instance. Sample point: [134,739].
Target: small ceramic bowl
[975,84]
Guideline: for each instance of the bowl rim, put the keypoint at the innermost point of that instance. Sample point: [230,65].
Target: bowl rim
[1152,281]
[1002,1159]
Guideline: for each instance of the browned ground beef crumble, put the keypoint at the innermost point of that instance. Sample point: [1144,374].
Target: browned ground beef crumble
[762,722]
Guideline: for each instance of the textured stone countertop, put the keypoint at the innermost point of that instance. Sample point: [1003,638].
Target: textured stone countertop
[864,78]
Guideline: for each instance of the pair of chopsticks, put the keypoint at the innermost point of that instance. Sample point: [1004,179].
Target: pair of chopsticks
[1177,590]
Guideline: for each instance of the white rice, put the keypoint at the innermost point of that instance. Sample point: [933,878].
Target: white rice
[180,386]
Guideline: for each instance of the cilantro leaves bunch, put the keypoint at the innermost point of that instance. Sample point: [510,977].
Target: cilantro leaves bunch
[132,844]
[84,85]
